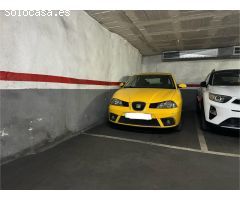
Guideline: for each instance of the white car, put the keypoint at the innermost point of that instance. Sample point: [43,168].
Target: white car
[219,99]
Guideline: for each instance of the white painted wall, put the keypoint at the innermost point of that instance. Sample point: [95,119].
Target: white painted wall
[187,71]
[76,46]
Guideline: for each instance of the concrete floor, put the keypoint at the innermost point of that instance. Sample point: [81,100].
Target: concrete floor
[105,157]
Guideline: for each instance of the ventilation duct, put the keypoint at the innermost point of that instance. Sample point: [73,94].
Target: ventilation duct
[218,53]
[236,50]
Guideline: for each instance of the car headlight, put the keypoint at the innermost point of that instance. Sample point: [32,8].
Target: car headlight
[219,98]
[164,104]
[118,102]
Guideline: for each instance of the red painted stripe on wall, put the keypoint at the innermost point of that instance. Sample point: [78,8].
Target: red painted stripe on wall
[14,76]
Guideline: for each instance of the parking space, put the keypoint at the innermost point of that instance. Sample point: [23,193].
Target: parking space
[187,138]
[223,140]
[219,140]
[88,162]
[107,157]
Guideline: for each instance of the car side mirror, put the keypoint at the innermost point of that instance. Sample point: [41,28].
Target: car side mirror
[203,84]
[182,85]
[121,84]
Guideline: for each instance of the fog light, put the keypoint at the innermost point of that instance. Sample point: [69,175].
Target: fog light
[212,112]
[168,121]
[113,117]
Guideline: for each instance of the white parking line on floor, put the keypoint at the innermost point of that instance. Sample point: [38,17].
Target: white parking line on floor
[162,145]
[201,137]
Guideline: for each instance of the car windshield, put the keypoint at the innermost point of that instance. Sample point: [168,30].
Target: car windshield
[151,81]
[226,78]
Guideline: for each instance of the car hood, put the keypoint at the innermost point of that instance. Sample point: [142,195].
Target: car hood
[149,95]
[233,91]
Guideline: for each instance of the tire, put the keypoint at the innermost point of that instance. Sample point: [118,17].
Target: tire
[111,124]
[178,128]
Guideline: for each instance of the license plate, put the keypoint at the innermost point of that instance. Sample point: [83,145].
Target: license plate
[142,116]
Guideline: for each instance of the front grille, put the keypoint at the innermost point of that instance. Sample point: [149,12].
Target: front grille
[139,106]
[236,101]
[231,122]
[152,122]
[153,105]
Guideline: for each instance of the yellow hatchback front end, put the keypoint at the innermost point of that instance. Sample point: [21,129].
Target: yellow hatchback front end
[147,100]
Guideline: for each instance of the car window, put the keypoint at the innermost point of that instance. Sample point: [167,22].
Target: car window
[151,81]
[226,78]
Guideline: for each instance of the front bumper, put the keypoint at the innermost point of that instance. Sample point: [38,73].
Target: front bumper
[226,115]
[161,118]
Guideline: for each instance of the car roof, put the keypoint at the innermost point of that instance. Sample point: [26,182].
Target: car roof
[153,73]
[226,70]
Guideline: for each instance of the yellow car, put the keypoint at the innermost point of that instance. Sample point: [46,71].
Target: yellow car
[148,100]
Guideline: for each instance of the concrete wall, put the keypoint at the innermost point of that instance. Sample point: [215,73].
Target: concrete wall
[75,46]
[35,113]
[187,71]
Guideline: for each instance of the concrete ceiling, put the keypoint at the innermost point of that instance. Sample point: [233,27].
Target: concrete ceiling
[155,31]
